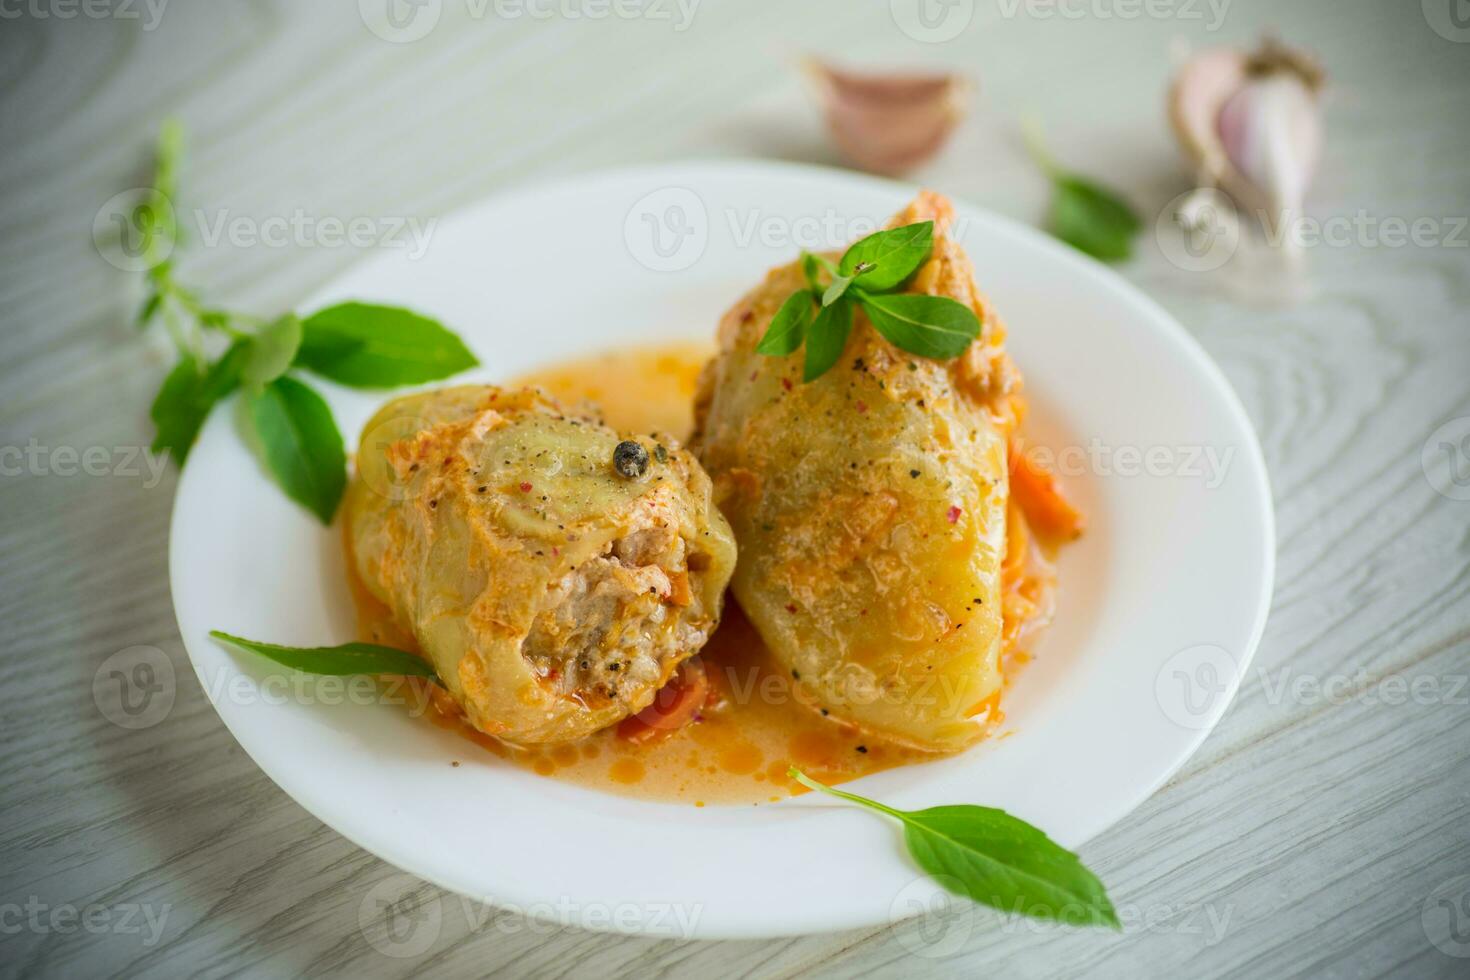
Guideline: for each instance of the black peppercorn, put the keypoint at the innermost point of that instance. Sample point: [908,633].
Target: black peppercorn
[630,459]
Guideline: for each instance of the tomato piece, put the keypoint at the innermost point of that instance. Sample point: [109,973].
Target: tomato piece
[1035,488]
[675,705]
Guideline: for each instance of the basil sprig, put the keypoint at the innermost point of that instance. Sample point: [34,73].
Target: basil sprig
[1084,213]
[347,660]
[301,444]
[357,344]
[981,853]
[369,346]
[827,338]
[868,276]
[885,260]
[995,859]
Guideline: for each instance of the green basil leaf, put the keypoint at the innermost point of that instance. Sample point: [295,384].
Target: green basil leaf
[188,393]
[167,157]
[811,268]
[369,346]
[892,255]
[272,350]
[827,338]
[995,859]
[930,326]
[834,292]
[788,327]
[301,444]
[1092,218]
[149,309]
[341,661]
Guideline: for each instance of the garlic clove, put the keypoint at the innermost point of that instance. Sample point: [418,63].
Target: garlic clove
[1200,90]
[888,123]
[1251,125]
[1272,135]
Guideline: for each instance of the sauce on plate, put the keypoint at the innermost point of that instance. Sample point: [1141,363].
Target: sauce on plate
[756,721]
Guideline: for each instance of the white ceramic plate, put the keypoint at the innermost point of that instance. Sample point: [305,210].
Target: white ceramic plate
[1162,602]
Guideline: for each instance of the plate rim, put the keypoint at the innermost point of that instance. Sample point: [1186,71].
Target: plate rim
[671,173]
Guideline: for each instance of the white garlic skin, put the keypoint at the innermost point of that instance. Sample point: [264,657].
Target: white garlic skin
[1271,132]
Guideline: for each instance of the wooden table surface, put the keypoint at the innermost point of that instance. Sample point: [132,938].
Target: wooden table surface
[1324,827]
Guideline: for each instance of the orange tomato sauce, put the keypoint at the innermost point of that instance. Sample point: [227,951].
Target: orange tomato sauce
[756,720]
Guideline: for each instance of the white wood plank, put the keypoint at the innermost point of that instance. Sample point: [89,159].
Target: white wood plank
[1304,838]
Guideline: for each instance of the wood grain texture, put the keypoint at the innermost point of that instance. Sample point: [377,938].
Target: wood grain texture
[1306,838]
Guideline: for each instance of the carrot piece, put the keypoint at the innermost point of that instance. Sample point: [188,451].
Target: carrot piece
[675,705]
[1035,488]
[679,591]
[1018,546]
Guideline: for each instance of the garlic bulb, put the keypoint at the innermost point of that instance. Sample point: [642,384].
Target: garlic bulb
[888,124]
[1251,124]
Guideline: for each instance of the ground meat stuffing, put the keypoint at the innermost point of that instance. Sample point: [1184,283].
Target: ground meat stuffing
[610,625]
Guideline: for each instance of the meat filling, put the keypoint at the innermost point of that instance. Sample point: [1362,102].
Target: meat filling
[615,627]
